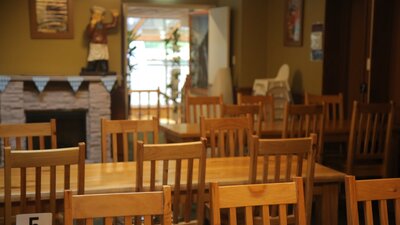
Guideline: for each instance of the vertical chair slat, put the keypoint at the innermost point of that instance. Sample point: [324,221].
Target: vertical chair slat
[265,215]
[249,215]
[177,189]
[153,175]
[108,221]
[125,146]
[89,221]
[368,215]
[231,143]
[23,190]
[289,160]
[188,200]
[265,168]
[53,191]
[383,213]
[282,215]
[38,188]
[397,211]
[114,147]
[232,216]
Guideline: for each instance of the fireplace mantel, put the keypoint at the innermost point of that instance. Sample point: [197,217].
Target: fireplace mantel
[21,94]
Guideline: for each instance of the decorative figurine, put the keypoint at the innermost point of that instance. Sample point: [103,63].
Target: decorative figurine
[97,34]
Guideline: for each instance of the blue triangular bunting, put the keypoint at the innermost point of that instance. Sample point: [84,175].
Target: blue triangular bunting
[40,82]
[109,82]
[4,80]
[75,82]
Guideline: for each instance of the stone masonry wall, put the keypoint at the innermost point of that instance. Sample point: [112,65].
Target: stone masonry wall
[95,99]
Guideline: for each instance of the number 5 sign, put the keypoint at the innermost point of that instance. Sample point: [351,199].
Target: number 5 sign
[34,219]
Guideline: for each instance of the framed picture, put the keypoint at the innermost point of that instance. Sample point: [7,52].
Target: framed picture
[51,19]
[293,23]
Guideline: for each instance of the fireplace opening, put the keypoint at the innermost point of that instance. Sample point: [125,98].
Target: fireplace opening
[70,125]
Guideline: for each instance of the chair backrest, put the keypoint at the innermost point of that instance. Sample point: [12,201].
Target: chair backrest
[384,192]
[283,73]
[368,151]
[27,136]
[301,120]
[288,155]
[258,195]
[134,130]
[196,106]
[333,105]
[145,110]
[158,157]
[255,112]
[227,136]
[27,161]
[146,204]
[267,102]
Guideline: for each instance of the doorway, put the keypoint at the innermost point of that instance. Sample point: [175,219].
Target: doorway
[357,50]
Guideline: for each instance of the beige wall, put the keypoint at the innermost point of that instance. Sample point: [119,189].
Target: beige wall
[257,42]
[23,55]
[305,75]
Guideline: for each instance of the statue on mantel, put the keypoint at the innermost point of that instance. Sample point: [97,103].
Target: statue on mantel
[97,33]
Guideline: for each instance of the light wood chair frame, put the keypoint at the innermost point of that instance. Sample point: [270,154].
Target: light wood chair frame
[14,134]
[334,110]
[370,138]
[108,206]
[284,152]
[208,106]
[228,137]
[24,159]
[253,195]
[301,120]
[112,129]
[267,101]
[192,153]
[365,192]
[254,110]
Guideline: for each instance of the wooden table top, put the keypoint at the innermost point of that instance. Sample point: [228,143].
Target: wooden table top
[121,176]
[192,130]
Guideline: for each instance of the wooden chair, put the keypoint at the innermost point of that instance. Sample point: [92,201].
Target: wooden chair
[267,101]
[146,130]
[258,195]
[26,159]
[333,105]
[227,136]
[146,204]
[242,110]
[368,152]
[368,192]
[302,120]
[288,155]
[27,136]
[159,156]
[335,150]
[196,106]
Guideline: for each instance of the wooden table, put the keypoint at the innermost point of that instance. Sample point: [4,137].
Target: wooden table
[121,177]
[183,132]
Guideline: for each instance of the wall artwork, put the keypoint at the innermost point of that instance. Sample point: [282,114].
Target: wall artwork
[51,19]
[293,23]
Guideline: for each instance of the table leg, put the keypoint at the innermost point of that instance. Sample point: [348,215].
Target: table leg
[329,204]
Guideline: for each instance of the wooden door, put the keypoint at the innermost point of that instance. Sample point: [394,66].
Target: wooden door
[357,49]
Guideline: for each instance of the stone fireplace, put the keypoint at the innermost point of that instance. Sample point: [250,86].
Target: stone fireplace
[21,97]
